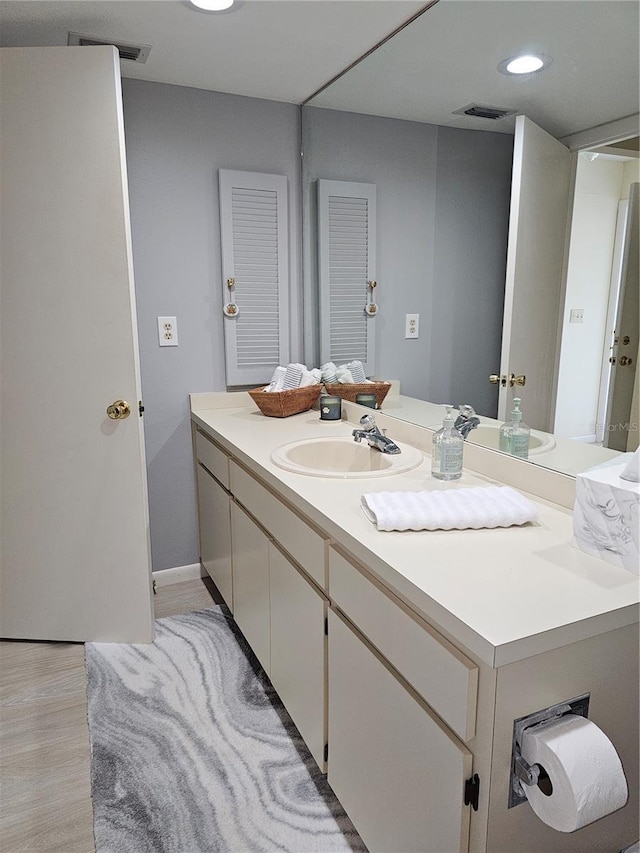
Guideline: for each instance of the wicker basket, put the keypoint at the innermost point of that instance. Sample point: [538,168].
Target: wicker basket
[349,391]
[282,404]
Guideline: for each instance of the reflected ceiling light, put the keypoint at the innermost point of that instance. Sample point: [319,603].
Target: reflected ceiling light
[212,5]
[528,63]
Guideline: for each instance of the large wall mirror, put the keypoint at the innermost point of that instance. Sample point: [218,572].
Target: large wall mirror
[513,238]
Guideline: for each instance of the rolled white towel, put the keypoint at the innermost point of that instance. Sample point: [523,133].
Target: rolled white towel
[344,376]
[277,380]
[450,509]
[328,372]
[293,376]
[308,378]
[356,368]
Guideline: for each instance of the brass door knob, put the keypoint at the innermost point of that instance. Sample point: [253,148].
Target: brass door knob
[624,360]
[494,379]
[119,410]
[517,380]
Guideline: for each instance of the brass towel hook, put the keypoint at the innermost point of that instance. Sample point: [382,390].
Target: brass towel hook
[231,308]
[371,309]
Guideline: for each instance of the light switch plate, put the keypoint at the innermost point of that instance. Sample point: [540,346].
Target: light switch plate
[576,315]
[167,332]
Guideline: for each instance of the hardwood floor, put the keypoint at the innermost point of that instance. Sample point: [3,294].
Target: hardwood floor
[45,791]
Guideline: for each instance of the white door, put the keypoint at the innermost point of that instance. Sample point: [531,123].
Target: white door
[535,267]
[621,415]
[75,555]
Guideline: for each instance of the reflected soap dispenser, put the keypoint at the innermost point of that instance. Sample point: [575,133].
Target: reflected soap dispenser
[515,434]
[446,454]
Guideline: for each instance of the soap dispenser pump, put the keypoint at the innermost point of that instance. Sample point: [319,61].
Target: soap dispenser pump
[446,455]
[515,435]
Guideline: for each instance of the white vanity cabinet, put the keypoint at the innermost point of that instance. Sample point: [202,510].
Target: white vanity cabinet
[298,649]
[270,567]
[417,711]
[250,554]
[214,513]
[398,772]
[278,605]
[390,753]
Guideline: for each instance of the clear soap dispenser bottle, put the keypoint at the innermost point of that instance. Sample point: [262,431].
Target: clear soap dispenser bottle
[446,456]
[514,434]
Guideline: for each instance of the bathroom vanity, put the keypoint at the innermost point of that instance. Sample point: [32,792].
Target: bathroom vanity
[404,658]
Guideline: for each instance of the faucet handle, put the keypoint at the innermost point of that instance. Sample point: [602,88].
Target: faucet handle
[368,421]
[467,410]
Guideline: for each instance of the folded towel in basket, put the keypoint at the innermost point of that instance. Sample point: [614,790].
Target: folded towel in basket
[448,509]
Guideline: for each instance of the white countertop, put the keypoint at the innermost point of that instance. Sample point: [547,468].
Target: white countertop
[503,594]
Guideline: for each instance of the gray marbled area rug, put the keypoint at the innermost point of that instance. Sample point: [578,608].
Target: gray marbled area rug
[192,751]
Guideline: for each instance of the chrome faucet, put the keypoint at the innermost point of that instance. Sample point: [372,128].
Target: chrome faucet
[374,436]
[466,420]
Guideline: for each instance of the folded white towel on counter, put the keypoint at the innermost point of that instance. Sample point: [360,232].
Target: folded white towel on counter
[449,509]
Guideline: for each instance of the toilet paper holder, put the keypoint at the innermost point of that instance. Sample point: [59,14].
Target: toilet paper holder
[522,773]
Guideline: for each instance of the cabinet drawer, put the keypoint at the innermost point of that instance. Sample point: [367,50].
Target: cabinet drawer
[305,545]
[213,458]
[443,676]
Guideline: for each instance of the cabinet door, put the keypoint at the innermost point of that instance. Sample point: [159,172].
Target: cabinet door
[215,533]
[250,558]
[398,771]
[298,649]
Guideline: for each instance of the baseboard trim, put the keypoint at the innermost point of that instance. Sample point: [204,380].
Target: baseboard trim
[177,574]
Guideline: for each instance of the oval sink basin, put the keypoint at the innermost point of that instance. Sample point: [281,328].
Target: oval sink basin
[488,436]
[343,457]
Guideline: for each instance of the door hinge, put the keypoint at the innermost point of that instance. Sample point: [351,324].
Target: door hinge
[140,408]
[472,791]
[326,626]
[326,752]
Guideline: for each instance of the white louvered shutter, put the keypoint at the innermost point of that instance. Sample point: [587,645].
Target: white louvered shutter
[255,253]
[346,265]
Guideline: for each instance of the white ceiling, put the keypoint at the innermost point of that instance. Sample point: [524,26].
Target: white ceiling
[448,58]
[287,49]
[282,50]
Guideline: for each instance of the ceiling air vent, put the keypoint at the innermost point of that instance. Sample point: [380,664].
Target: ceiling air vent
[482,111]
[132,52]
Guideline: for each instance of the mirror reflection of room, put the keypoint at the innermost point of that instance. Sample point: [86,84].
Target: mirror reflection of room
[501,288]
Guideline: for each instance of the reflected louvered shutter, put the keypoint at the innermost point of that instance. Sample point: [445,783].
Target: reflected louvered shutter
[255,252]
[346,264]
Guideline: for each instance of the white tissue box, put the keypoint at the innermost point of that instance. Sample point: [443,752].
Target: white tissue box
[606,516]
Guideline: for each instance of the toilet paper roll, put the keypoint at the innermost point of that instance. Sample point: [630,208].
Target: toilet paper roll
[586,780]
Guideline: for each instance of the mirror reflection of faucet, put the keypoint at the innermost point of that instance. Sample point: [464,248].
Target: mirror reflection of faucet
[466,420]
[374,436]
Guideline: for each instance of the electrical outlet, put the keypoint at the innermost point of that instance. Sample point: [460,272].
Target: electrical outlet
[167,332]
[412,326]
[576,315]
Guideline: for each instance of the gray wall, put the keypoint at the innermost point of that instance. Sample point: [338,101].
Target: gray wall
[442,228]
[443,208]
[177,138]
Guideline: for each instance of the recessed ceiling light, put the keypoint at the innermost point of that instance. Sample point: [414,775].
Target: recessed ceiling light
[212,5]
[528,63]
